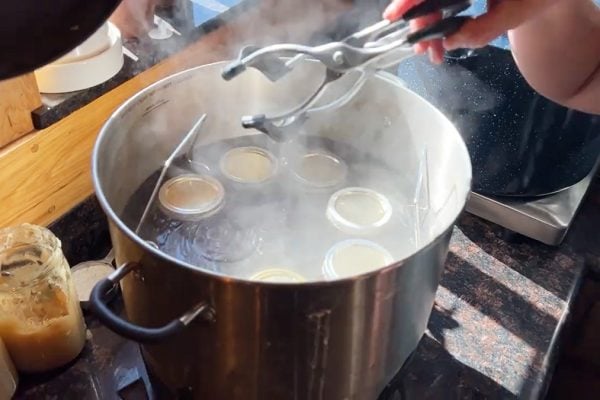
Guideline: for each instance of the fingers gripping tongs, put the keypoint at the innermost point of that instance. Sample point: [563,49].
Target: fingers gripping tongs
[376,47]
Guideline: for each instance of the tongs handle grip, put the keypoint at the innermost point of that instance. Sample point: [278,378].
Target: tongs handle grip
[439,30]
[431,6]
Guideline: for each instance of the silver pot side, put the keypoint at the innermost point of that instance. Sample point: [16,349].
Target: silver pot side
[341,339]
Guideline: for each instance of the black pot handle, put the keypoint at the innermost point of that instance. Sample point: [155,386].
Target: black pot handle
[132,331]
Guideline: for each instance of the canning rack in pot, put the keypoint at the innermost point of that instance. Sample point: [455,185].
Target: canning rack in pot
[207,227]
[184,148]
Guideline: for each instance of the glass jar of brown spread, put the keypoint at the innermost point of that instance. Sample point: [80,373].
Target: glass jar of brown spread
[40,318]
[8,374]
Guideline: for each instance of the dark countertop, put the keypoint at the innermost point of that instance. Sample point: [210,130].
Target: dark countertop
[494,331]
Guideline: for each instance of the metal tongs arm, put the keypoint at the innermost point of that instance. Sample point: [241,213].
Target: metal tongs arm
[357,49]
[340,56]
[375,47]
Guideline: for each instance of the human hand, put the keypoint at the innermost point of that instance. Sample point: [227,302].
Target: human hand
[134,18]
[502,15]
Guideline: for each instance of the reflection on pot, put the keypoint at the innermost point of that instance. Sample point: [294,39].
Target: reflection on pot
[278,275]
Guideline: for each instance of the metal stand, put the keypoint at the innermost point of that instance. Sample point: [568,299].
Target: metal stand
[546,219]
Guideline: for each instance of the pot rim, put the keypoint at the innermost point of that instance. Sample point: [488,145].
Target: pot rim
[114,218]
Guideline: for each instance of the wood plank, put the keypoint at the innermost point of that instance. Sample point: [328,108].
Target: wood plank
[18,97]
[48,172]
[45,174]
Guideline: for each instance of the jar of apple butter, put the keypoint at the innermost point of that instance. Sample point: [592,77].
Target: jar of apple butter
[41,322]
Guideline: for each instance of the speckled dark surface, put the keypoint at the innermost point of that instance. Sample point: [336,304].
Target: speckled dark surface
[83,232]
[544,147]
[494,331]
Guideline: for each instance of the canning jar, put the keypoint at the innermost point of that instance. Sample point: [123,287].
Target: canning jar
[40,318]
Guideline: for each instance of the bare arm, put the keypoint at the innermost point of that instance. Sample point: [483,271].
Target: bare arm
[556,44]
[558,53]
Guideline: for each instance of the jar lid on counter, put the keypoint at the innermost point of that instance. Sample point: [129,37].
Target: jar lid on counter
[248,164]
[278,275]
[357,210]
[191,197]
[355,257]
[86,275]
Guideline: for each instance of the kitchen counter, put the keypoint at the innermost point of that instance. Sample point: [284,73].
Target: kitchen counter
[494,332]
[46,173]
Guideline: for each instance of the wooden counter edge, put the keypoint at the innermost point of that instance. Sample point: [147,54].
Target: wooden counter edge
[48,172]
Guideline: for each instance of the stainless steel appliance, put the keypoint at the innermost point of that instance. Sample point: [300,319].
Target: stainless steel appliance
[217,332]
[546,219]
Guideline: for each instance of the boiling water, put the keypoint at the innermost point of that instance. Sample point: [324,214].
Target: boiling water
[281,222]
[247,165]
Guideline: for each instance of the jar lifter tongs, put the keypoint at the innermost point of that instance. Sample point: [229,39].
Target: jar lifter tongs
[379,46]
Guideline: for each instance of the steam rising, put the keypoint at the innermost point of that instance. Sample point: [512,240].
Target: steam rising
[280,223]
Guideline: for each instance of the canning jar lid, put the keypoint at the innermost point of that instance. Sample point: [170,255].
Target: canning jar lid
[191,197]
[248,164]
[357,210]
[355,257]
[320,169]
[225,240]
[278,275]
[86,275]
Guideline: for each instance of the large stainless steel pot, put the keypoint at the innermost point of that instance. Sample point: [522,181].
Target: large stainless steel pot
[219,337]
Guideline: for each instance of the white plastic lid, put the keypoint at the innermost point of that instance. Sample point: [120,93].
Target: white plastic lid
[358,210]
[248,164]
[320,169]
[355,257]
[72,74]
[191,197]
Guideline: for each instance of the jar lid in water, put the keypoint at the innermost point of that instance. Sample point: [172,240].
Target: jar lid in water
[354,257]
[248,164]
[191,197]
[320,169]
[226,240]
[358,210]
[278,275]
